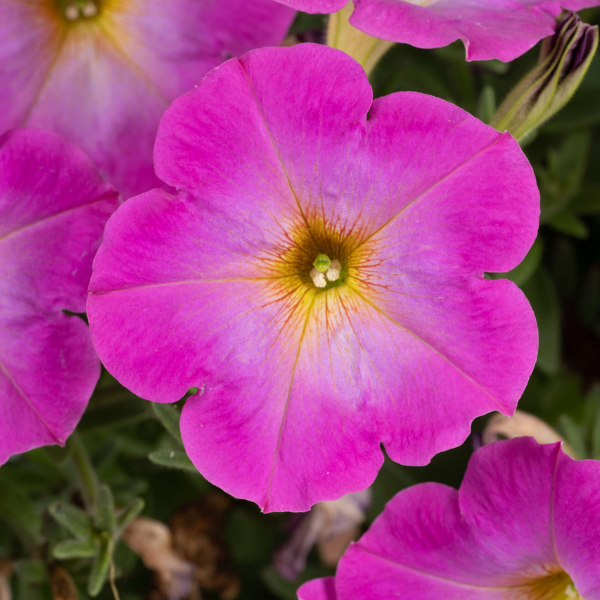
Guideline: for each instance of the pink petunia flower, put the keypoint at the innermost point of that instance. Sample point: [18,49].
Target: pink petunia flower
[53,208]
[525,525]
[501,29]
[394,336]
[102,72]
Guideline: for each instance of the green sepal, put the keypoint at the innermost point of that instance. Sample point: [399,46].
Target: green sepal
[106,519]
[74,549]
[72,518]
[173,459]
[101,565]
[130,512]
[169,417]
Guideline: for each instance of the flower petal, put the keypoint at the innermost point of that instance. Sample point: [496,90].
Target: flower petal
[276,143]
[318,589]
[489,29]
[104,84]
[489,540]
[576,521]
[53,206]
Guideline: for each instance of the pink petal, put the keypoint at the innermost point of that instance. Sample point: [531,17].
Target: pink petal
[500,29]
[104,84]
[318,589]
[491,539]
[53,206]
[299,389]
[577,522]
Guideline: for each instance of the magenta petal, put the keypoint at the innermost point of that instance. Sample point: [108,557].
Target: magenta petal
[500,29]
[104,83]
[318,589]
[523,512]
[53,207]
[577,522]
[299,389]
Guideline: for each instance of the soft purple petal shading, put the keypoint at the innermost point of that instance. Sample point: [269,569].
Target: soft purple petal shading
[104,84]
[577,522]
[318,589]
[501,29]
[299,390]
[53,207]
[523,511]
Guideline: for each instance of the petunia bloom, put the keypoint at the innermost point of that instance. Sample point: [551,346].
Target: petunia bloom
[501,29]
[319,276]
[102,72]
[53,208]
[525,525]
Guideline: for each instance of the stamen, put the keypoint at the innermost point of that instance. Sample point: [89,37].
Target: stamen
[318,278]
[333,273]
[72,12]
[89,10]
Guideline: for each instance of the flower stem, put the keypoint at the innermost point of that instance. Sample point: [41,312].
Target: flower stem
[88,480]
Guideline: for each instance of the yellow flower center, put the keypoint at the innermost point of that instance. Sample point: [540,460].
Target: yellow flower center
[557,586]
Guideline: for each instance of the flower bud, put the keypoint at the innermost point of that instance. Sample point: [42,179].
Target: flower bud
[564,60]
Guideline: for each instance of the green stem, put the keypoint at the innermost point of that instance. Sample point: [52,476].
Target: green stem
[88,480]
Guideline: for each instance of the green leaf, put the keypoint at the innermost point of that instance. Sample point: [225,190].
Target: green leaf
[74,549]
[541,293]
[169,416]
[73,519]
[105,510]
[100,566]
[173,459]
[19,512]
[130,512]
[573,434]
[569,223]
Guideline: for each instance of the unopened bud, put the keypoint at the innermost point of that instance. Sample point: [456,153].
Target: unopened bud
[564,60]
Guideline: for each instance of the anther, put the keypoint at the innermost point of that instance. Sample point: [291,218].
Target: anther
[72,12]
[318,278]
[333,273]
[89,10]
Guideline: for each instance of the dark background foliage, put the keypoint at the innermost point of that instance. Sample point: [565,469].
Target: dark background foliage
[135,455]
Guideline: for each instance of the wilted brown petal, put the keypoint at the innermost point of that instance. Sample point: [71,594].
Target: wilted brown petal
[153,542]
[63,587]
[5,571]
[522,424]
[331,525]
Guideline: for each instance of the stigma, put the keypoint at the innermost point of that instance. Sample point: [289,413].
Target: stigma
[325,270]
[76,9]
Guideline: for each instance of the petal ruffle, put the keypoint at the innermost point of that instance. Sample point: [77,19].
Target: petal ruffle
[53,207]
[273,144]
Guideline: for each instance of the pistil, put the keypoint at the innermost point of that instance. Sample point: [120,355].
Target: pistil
[325,270]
